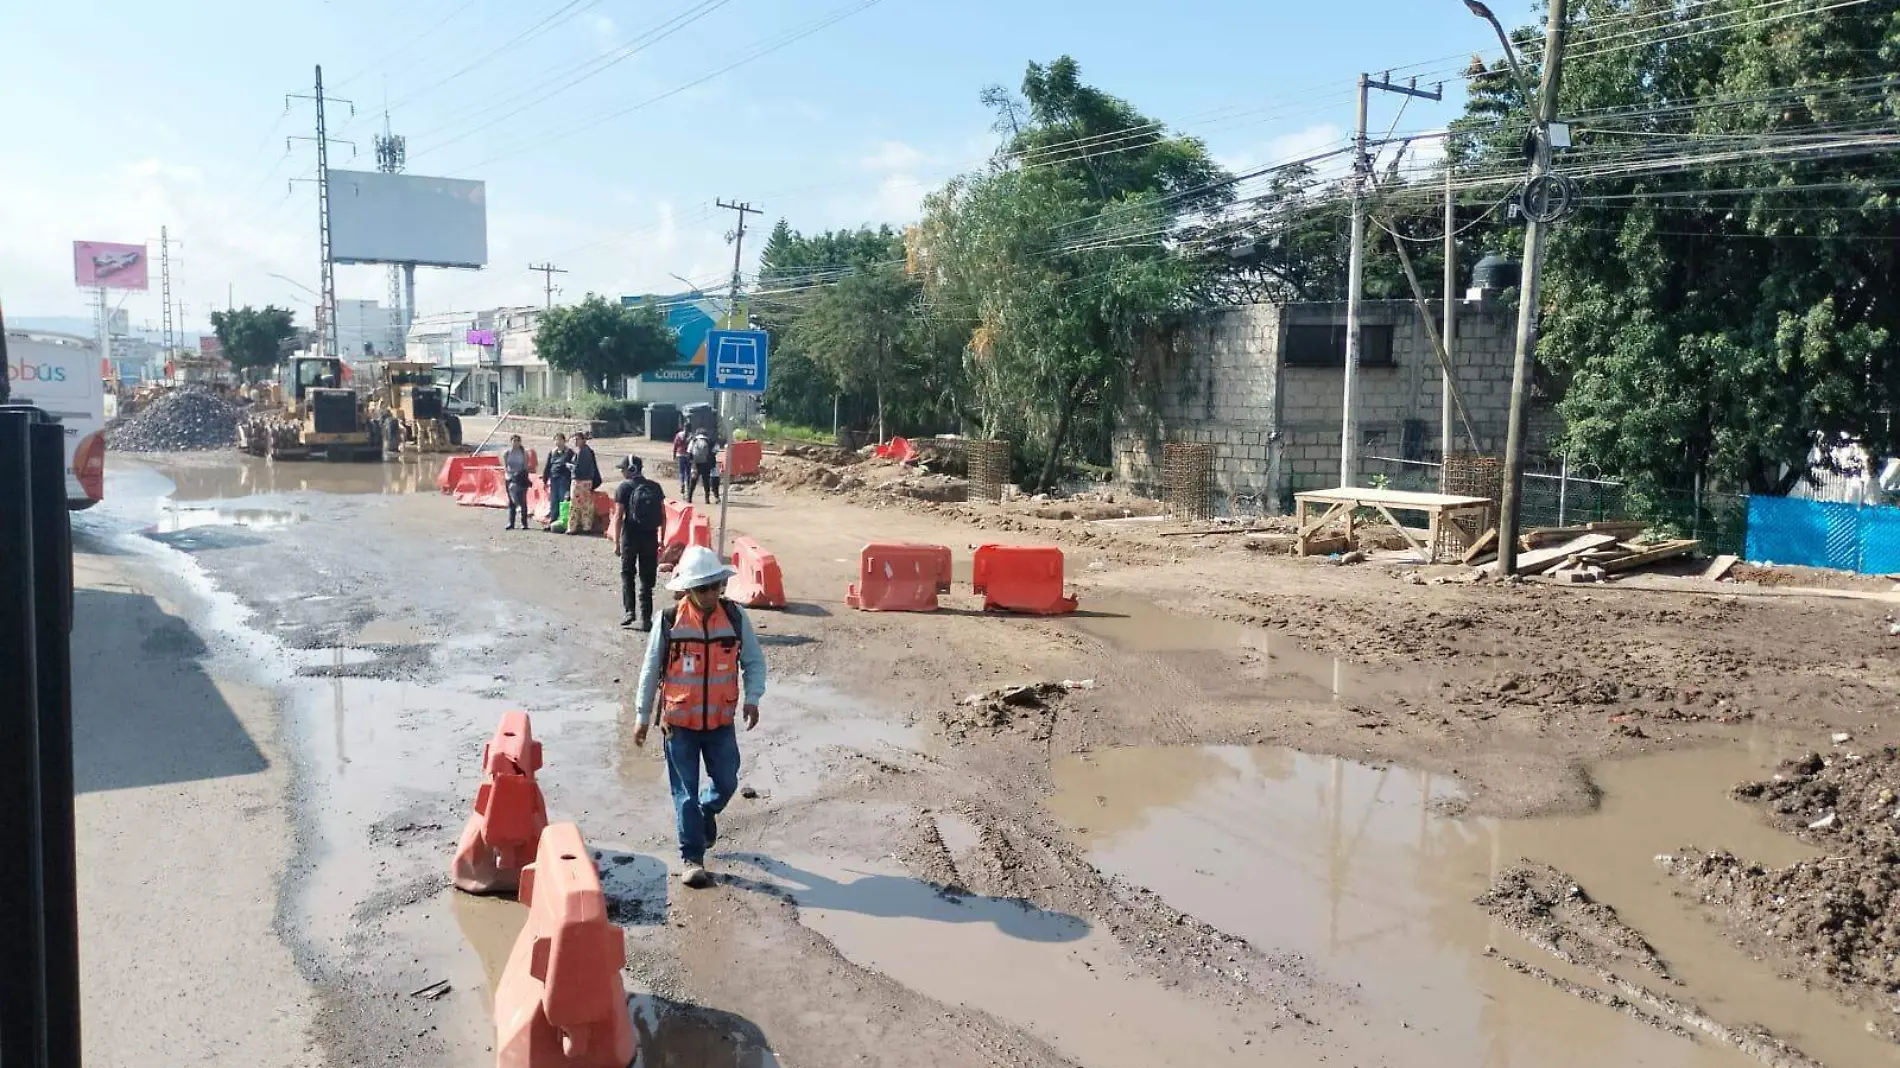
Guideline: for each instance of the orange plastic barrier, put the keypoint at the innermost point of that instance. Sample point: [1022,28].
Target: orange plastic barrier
[482,487]
[560,1002]
[537,497]
[900,577]
[742,459]
[685,525]
[899,449]
[451,474]
[759,583]
[510,814]
[1020,578]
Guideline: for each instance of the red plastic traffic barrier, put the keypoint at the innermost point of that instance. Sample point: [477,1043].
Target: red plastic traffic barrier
[451,474]
[742,459]
[560,1002]
[538,497]
[1020,578]
[899,449]
[759,582]
[482,487]
[900,577]
[510,814]
[679,518]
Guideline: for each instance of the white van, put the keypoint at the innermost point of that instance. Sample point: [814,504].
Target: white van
[59,374]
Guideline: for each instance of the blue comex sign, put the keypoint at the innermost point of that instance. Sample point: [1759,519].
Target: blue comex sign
[735,360]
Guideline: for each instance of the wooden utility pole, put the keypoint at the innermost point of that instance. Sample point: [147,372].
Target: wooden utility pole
[1450,330]
[1509,505]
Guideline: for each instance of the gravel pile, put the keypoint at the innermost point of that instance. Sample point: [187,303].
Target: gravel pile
[185,419]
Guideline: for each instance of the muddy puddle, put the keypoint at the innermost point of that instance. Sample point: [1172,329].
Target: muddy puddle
[1259,663]
[1353,867]
[221,477]
[1058,977]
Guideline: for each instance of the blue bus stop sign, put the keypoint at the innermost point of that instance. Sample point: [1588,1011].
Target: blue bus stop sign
[735,360]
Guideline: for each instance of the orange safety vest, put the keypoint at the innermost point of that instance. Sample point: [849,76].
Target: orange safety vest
[701,687]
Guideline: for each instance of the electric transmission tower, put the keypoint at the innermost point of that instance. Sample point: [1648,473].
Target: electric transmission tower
[392,154]
[326,313]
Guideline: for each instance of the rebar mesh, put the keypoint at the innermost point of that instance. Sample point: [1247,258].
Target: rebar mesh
[1187,479]
[988,463]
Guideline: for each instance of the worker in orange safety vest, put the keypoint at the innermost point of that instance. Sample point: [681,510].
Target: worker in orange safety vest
[695,658]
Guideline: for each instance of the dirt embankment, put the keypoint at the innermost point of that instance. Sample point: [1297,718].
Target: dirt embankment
[1835,919]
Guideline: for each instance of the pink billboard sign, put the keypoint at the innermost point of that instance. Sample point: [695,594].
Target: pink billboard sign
[109,265]
[481,337]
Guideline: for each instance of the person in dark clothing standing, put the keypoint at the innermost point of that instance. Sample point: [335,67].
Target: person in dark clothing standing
[703,450]
[558,471]
[514,465]
[639,513]
[580,507]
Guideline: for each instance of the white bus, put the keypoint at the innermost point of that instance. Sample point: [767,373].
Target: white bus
[59,374]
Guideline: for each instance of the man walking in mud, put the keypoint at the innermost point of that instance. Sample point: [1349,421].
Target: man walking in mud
[639,513]
[694,663]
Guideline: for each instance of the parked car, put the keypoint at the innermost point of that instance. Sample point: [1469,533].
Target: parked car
[458,406]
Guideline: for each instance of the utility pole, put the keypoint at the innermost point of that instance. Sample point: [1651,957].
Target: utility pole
[1450,331]
[735,319]
[738,246]
[548,271]
[1356,269]
[327,311]
[1534,235]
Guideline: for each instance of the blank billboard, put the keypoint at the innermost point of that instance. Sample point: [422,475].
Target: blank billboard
[407,218]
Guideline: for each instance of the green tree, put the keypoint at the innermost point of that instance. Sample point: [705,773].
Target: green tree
[854,330]
[1723,299]
[254,339]
[605,342]
[1059,255]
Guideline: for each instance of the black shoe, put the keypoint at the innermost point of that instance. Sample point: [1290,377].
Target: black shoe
[511,526]
[712,830]
[643,625]
[627,620]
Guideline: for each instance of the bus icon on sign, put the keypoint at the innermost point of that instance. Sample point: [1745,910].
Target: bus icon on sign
[735,360]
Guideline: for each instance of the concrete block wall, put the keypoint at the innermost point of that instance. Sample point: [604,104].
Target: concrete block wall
[1213,382]
[1221,380]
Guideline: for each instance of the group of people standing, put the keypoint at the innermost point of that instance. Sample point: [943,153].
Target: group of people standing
[571,475]
[704,668]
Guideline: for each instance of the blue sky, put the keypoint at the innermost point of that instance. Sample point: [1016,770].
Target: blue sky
[121,116]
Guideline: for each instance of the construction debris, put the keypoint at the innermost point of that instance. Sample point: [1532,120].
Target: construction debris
[189,418]
[1587,555]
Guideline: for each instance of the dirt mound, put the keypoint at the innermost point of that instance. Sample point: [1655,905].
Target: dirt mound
[1549,907]
[1028,707]
[868,481]
[186,419]
[1836,919]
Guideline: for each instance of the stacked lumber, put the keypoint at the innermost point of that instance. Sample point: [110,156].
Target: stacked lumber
[1586,553]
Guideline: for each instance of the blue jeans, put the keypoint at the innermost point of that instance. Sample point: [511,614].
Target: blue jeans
[685,749]
[686,473]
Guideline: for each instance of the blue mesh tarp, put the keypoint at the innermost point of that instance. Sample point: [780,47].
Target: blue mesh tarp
[1845,537]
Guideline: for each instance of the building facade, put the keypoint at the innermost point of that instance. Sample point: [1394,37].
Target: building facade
[1264,385]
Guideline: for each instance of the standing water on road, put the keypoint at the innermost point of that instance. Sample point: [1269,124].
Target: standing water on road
[1353,867]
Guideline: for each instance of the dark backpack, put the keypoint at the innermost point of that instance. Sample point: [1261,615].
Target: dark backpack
[649,506]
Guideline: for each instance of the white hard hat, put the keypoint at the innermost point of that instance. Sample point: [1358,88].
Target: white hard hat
[698,566]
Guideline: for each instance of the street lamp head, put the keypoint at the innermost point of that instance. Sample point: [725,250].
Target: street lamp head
[1479,9]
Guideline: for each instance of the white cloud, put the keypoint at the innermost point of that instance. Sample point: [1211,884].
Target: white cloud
[606,33]
[894,156]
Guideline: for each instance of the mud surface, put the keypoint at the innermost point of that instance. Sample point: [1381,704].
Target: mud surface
[1835,919]
[1240,816]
